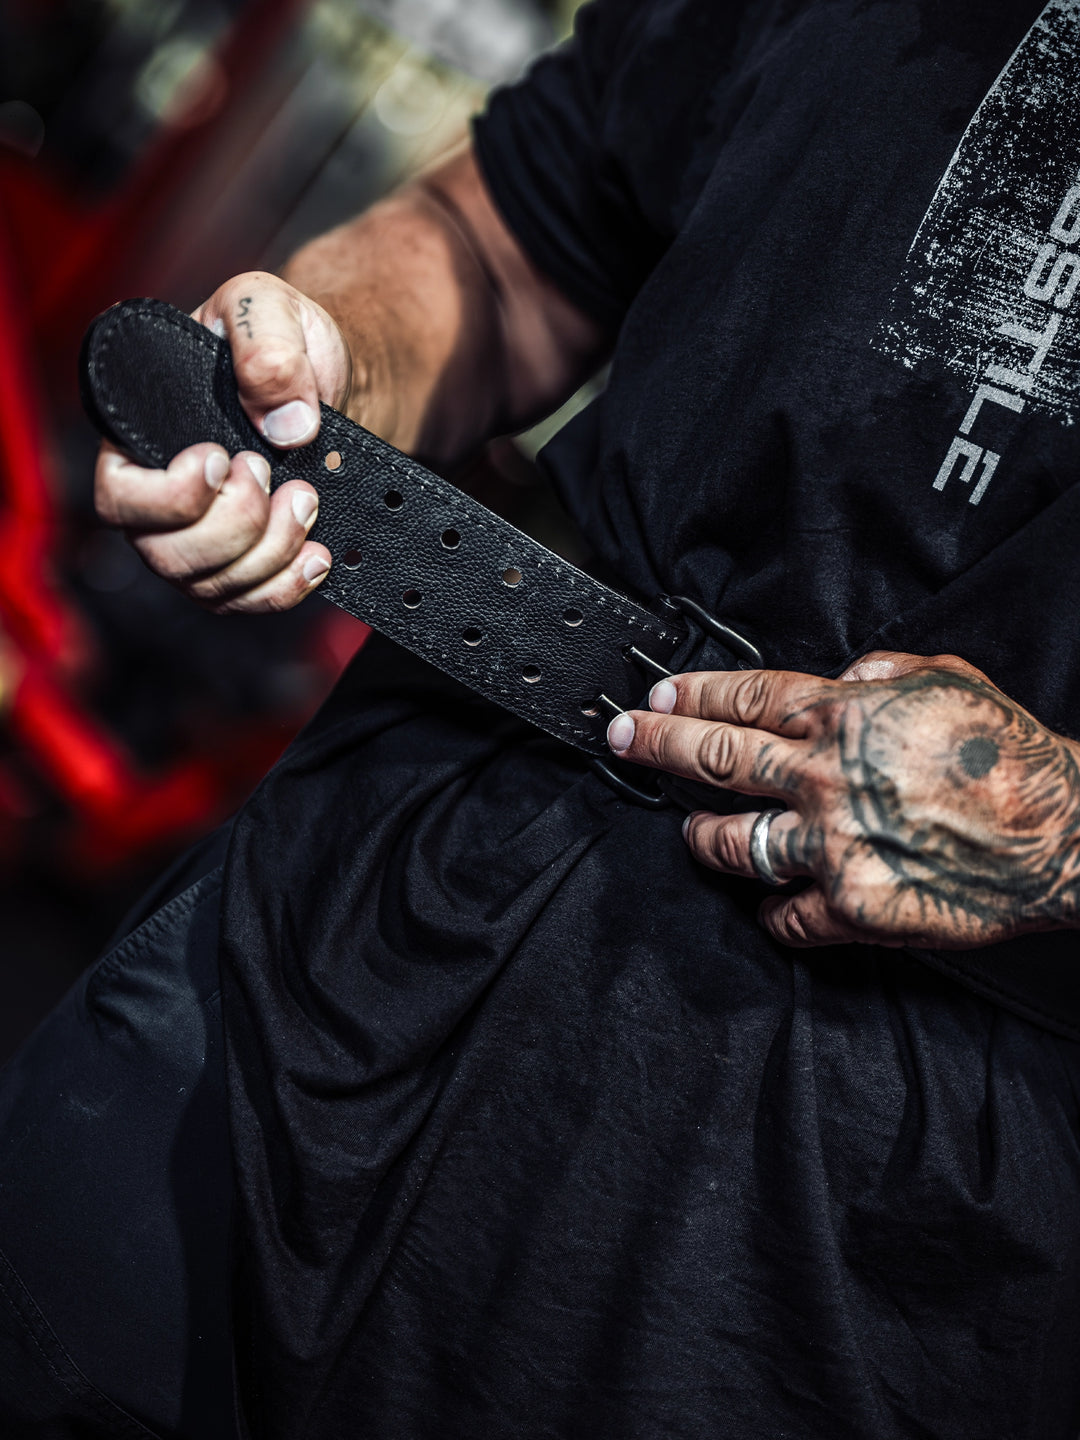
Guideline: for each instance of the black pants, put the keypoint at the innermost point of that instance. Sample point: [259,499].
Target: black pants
[116,1191]
[116,1198]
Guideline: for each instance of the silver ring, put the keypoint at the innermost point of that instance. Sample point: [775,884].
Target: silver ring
[759,847]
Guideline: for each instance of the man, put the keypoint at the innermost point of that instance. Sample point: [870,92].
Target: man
[540,1126]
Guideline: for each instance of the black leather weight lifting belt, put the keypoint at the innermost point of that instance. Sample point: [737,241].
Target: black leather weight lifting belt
[413,556]
[448,579]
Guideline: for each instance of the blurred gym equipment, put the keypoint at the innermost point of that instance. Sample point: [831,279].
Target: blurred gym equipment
[155,147]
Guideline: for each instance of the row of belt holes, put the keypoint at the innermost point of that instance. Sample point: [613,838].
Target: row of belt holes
[451,539]
[472,634]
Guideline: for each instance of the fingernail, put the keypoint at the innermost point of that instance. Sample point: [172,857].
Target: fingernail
[620,733]
[215,469]
[289,423]
[218,327]
[662,697]
[314,566]
[260,468]
[304,505]
[686,827]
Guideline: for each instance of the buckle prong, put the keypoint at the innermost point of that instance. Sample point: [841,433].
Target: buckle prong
[650,799]
[646,662]
[750,657]
[610,704]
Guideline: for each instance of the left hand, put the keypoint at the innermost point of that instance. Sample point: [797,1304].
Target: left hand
[207,521]
[926,806]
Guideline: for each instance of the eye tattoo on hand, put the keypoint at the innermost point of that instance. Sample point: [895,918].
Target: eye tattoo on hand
[978,756]
[243,323]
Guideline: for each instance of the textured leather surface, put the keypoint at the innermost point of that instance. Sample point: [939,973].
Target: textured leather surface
[413,556]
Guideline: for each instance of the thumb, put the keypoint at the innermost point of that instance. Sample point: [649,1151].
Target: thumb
[263,320]
[883,665]
[891,665]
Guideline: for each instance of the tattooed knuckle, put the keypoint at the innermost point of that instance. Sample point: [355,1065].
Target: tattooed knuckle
[828,716]
[818,779]
[857,894]
[845,902]
[847,710]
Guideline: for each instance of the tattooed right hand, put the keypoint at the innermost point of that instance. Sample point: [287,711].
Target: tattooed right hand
[925,807]
[207,522]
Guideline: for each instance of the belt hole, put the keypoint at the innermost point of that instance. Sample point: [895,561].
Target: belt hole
[572,616]
[472,635]
[333,460]
[511,576]
[393,499]
[450,539]
[411,599]
[530,674]
[351,559]
[590,708]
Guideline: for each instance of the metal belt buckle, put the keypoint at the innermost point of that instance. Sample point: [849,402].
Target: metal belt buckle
[749,658]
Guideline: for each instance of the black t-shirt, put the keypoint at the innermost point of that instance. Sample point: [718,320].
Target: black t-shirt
[537,1134]
[738,187]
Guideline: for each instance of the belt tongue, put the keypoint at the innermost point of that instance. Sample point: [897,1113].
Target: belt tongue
[413,556]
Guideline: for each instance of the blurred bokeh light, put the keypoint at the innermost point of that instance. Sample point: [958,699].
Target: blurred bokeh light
[156,147]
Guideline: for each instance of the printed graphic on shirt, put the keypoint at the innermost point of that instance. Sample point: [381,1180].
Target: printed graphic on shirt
[990,286]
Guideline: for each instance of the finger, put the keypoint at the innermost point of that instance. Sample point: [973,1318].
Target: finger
[777,700]
[285,589]
[232,525]
[294,507]
[138,498]
[804,921]
[263,323]
[722,842]
[738,758]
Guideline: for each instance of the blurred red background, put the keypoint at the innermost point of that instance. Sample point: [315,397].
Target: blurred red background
[156,147]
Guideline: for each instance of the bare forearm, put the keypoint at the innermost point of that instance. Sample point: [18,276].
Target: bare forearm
[454,336]
[424,319]
[393,281]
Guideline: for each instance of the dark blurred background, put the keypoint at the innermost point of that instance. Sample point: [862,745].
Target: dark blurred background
[155,147]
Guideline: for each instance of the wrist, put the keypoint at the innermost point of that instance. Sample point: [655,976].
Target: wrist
[416,320]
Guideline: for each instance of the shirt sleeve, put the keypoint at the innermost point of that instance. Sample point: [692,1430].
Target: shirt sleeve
[548,148]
